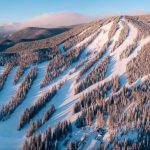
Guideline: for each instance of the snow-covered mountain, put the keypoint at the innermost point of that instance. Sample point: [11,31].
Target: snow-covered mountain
[86,88]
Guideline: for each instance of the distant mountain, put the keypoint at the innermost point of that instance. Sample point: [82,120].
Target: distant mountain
[6,29]
[48,20]
[8,39]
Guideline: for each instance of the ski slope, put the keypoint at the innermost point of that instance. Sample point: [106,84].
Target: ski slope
[65,98]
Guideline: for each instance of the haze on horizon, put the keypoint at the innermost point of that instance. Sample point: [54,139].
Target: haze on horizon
[18,14]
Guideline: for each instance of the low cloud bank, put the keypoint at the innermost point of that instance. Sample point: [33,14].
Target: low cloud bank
[49,20]
[53,20]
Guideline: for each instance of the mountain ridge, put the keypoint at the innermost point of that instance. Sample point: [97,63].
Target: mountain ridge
[86,88]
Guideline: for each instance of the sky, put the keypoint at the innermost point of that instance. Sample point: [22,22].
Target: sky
[20,10]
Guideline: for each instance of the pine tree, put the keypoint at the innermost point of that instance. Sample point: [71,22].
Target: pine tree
[110,122]
[100,120]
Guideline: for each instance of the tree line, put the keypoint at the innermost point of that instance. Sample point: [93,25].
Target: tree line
[49,139]
[34,125]
[20,95]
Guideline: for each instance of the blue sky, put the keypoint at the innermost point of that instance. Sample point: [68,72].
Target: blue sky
[17,10]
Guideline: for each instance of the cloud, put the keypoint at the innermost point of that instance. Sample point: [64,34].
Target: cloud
[50,20]
[53,20]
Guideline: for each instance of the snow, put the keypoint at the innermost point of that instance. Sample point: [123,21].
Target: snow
[101,39]
[138,82]
[7,90]
[96,45]
[77,134]
[106,137]
[116,36]
[8,129]
[84,31]
[65,98]
[93,144]
[61,47]
[1,70]
[61,108]
[78,44]
[130,135]
[117,66]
